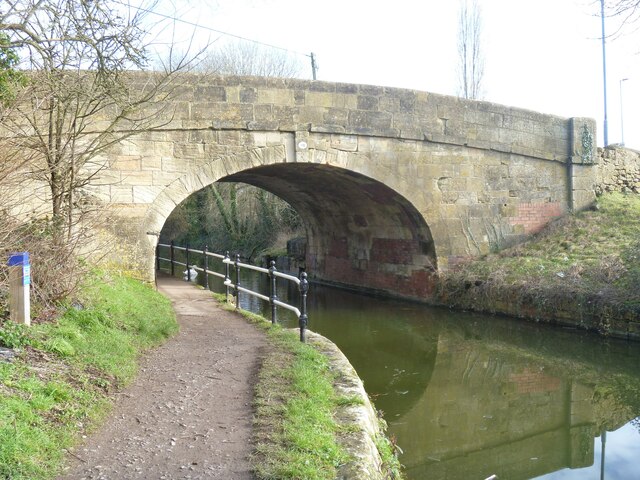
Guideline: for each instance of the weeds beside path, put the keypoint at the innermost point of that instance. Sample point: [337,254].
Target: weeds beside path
[188,414]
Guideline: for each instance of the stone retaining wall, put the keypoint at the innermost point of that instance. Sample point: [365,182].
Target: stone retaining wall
[618,170]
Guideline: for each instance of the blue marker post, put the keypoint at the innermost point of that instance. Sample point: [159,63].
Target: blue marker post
[19,282]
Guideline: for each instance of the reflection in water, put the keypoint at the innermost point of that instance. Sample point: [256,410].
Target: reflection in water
[467,395]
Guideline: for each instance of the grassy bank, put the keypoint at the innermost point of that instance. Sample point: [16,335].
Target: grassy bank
[296,431]
[58,384]
[584,267]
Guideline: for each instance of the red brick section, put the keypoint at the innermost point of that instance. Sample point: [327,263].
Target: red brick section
[416,283]
[338,248]
[534,216]
[393,250]
[530,381]
[410,280]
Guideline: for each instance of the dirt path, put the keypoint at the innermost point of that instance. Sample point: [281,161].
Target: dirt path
[188,414]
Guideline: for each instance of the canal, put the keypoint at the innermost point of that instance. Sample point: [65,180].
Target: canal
[468,395]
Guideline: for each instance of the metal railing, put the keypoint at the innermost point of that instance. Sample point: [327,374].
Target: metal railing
[228,263]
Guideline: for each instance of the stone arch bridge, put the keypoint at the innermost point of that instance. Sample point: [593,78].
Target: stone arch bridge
[392,184]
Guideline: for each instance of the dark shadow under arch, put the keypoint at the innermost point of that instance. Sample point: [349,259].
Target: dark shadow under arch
[361,234]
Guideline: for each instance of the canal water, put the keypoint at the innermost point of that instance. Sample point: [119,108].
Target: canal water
[467,396]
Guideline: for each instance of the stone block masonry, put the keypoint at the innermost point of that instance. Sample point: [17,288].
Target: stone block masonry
[392,184]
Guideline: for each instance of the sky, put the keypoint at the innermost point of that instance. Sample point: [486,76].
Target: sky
[541,55]
[622,448]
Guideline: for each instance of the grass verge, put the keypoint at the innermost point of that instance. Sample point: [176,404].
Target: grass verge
[58,384]
[586,266]
[296,432]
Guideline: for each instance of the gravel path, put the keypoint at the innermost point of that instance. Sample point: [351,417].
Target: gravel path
[188,414]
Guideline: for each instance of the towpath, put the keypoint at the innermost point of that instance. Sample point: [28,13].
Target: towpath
[188,414]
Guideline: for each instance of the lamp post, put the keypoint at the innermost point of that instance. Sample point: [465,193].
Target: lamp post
[603,440]
[604,74]
[621,114]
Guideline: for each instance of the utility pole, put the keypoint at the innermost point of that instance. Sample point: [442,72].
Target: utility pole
[605,126]
[314,67]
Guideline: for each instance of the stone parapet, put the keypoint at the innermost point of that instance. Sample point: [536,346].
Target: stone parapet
[290,105]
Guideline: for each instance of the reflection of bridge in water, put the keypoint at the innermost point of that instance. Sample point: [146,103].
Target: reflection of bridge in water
[490,415]
[491,408]
[482,396]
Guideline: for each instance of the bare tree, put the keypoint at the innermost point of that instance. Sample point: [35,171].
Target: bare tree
[79,98]
[629,9]
[470,56]
[248,58]
[627,12]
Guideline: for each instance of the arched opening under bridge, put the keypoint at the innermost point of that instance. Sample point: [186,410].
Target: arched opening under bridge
[360,233]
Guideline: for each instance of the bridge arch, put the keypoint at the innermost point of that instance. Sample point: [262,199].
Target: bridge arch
[361,232]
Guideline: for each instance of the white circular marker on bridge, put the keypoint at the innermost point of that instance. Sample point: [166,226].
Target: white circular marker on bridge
[302,145]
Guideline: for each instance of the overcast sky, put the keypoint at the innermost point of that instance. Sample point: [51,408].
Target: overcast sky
[543,55]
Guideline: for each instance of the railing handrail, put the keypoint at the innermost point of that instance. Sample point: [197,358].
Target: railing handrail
[211,254]
[286,276]
[248,266]
[227,261]
[215,255]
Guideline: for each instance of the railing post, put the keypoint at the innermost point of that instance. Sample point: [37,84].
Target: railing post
[186,249]
[272,291]
[237,291]
[157,257]
[172,257]
[206,267]
[304,319]
[227,278]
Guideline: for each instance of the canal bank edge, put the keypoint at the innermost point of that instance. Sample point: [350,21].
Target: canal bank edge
[566,310]
[363,430]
